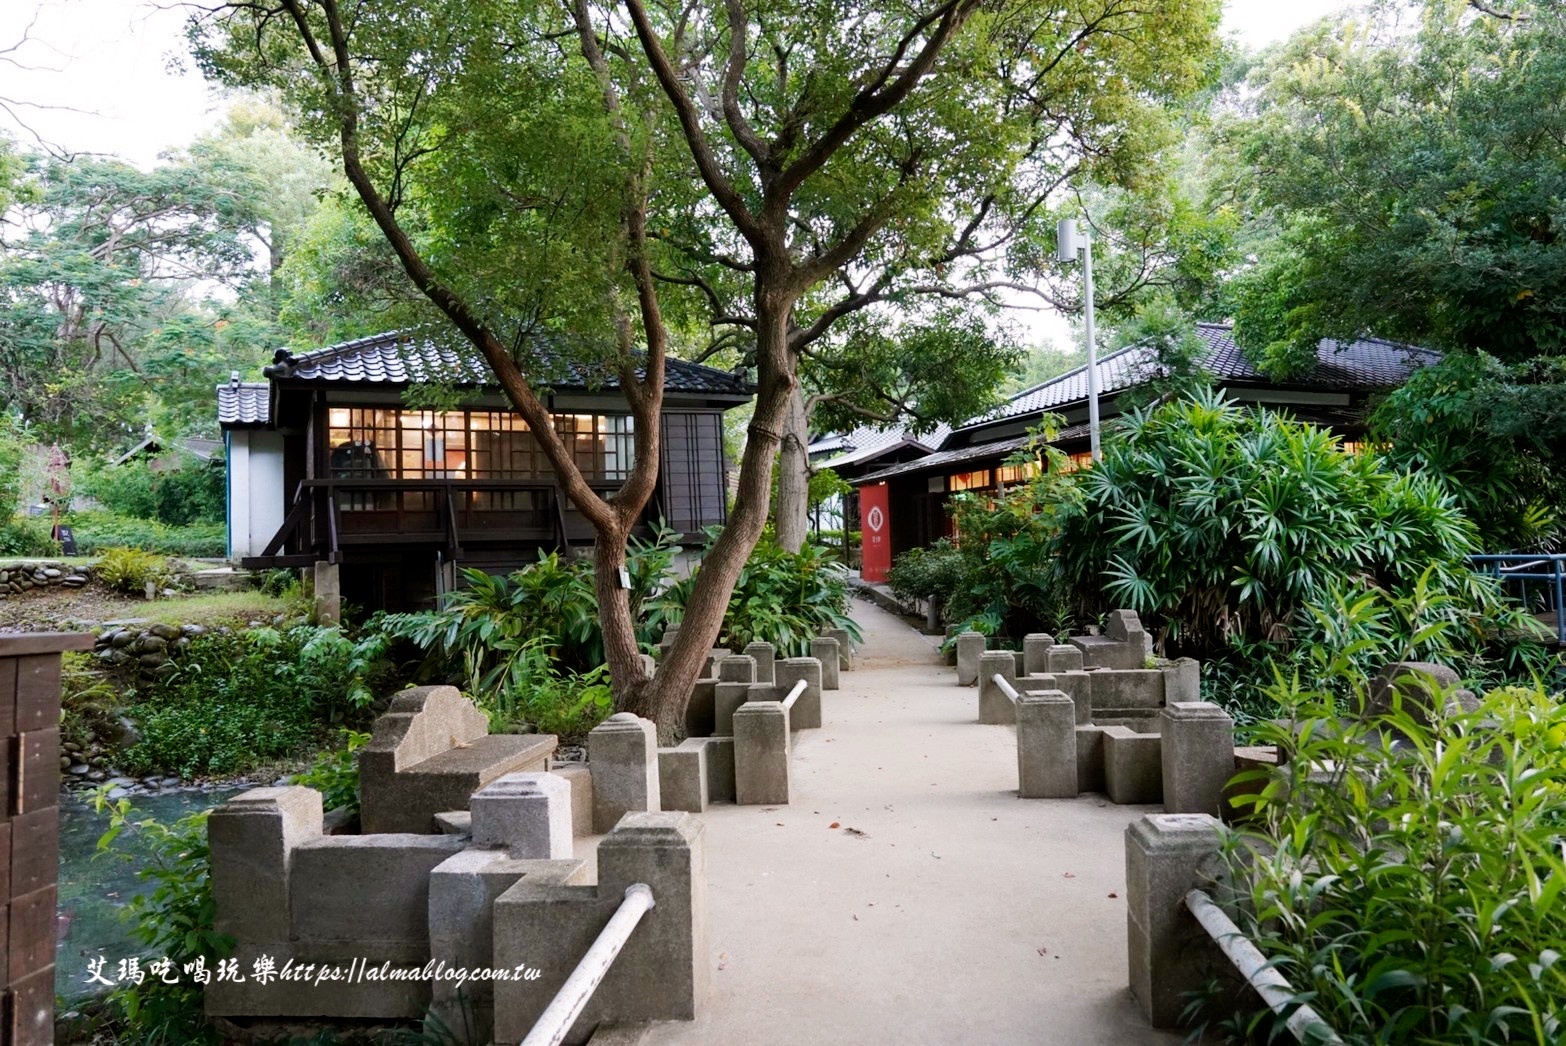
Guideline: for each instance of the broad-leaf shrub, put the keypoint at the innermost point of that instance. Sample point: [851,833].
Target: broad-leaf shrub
[781,598]
[335,773]
[1407,879]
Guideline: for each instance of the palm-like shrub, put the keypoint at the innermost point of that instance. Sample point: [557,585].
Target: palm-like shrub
[781,598]
[1225,526]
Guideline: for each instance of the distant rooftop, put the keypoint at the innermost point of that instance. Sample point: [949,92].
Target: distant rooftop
[1365,364]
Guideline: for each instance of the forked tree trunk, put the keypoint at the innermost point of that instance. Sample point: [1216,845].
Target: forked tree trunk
[666,695]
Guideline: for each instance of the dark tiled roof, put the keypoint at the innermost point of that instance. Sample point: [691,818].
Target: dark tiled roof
[867,443]
[947,458]
[397,358]
[1366,364]
[245,403]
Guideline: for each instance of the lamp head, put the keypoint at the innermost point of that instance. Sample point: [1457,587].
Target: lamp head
[1068,240]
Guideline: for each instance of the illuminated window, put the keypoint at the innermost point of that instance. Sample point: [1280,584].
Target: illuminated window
[368,443]
[976,480]
[1016,473]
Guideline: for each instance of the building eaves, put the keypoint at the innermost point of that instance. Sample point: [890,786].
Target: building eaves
[400,358]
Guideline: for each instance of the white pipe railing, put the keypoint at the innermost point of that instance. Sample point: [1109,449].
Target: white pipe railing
[571,999]
[1005,687]
[793,695]
[1304,1022]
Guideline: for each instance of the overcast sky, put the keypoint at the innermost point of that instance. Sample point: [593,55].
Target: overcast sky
[117,78]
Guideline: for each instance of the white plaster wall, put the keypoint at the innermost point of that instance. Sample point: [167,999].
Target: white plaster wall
[255,490]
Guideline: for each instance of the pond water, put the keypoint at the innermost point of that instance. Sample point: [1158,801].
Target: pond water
[95,888]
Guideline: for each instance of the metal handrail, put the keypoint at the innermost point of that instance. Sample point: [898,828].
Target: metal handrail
[1521,568]
[793,694]
[1304,1022]
[571,999]
[1005,687]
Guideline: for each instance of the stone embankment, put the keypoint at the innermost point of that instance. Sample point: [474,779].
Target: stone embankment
[17,579]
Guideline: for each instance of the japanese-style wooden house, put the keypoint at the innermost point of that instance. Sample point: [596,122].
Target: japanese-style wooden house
[326,463]
[903,506]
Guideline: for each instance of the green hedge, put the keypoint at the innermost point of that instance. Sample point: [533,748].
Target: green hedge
[98,531]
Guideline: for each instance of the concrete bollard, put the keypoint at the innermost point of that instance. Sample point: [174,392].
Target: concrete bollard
[682,777]
[726,697]
[825,650]
[761,744]
[699,713]
[1035,653]
[1198,757]
[1133,771]
[251,838]
[623,754]
[969,646]
[737,668]
[1090,758]
[995,706]
[806,713]
[546,922]
[1182,681]
[1046,746]
[845,647]
[765,654]
[720,768]
[1170,954]
[527,815]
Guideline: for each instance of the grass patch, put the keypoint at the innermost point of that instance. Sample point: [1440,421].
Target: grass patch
[215,608]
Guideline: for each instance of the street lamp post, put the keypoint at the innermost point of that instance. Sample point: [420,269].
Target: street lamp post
[1071,238]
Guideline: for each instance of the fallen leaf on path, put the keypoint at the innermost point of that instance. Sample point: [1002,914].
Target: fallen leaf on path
[1070,875]
[835,824]
[1114,895]
[1043,951]
[855,831]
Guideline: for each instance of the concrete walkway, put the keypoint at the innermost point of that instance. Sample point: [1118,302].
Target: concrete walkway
[942,909]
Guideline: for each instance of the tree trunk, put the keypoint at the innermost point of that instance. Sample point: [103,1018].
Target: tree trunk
[614,618]
[791,515]
[665,698]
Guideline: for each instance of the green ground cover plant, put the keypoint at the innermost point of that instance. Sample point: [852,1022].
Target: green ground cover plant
[235,700]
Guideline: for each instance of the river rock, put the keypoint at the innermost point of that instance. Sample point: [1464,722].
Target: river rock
[124,734]
[193,630]
[152,644]
[78,769]
[51,573]
[163,631]
[122,637]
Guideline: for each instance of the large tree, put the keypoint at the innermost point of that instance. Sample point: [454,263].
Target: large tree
[1408,164]
[1404,169]
[600,178]
[96,259]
